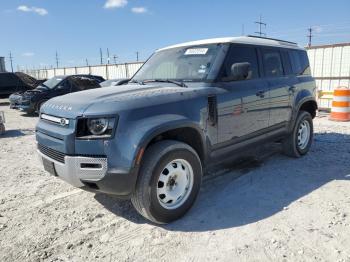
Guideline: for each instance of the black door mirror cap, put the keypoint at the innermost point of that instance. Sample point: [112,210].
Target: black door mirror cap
[240,71]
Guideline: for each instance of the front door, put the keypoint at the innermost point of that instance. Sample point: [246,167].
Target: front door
[243,108]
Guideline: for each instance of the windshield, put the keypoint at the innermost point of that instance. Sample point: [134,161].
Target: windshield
[51,83]
[190,63]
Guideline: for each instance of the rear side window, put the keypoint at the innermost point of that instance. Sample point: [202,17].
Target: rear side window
[287,65]
[300,62]
[241,54]
[272,63]
[82,83]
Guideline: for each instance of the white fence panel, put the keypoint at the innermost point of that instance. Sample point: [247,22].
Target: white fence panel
[99,70]
[336,61]
[133,68]
[83,70]
[59,71]
[117,71]
[70,71]
[50,73]
[345,68]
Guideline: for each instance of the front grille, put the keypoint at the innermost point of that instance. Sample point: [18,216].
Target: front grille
[53,154]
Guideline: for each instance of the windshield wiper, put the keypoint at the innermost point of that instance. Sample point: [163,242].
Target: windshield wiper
[179,83]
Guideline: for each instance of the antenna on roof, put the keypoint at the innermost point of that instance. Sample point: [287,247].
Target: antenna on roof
[260,23]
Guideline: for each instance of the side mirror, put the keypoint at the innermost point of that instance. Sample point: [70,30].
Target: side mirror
[240,71]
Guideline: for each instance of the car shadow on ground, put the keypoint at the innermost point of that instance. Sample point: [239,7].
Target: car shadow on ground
[17,133]
[258,190]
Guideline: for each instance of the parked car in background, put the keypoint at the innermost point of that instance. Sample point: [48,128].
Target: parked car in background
[114,82]
[189,107]
[16,82]
[31,100]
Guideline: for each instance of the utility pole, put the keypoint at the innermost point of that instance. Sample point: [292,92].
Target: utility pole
[101,56]
[56,59]
[115,59]
[11,59]
[87,62]
[137,56]
[310,35]
[260,23]
[243,29]
[108,58]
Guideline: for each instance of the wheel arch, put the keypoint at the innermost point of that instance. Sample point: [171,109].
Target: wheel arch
[185,132]
[307,104]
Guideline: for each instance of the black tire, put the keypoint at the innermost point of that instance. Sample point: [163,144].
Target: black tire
[157,156]
[38,106]
[2,129]
[290,144]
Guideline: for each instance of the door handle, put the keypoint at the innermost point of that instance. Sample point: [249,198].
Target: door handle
[261,93]
[292,89]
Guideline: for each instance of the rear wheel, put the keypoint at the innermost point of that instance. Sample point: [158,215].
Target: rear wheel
[299,141]
[169,181]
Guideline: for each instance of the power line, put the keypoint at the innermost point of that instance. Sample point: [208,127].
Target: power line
[11,57]
[56,59]
[260,24]
[310,36]
[108,58]
[115,59]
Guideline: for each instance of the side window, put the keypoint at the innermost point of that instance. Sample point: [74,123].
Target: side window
[65,85]
[241,54]
[300,62]
[83,83]
[272,63]
[286,62]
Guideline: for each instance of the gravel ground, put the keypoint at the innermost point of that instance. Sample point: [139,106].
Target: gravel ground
[278,209]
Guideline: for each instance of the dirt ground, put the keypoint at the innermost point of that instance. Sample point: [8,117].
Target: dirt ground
[280,209]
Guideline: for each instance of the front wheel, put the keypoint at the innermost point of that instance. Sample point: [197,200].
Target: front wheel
[169,181]
[299,141]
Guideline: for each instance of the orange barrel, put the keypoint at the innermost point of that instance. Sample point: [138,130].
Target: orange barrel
[341,104]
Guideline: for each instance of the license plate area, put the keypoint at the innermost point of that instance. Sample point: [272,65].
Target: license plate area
[49,167]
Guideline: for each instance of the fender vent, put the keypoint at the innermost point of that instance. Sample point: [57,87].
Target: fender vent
[212,110]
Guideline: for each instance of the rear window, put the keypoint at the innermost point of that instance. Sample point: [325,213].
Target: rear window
[300,62]
[272,63]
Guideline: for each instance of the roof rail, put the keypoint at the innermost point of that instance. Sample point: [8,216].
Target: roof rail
[283,41]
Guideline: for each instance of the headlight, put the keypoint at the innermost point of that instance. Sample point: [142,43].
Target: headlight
[97,126]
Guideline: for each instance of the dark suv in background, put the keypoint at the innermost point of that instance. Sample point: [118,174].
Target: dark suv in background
[16,82]
[189,107]
[31,100]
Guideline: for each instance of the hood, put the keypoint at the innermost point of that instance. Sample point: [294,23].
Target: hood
[38,90]
[110,100]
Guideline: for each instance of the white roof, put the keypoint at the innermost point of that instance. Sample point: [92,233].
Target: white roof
[249,40]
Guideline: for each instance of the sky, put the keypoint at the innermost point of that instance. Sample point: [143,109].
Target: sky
[33,30]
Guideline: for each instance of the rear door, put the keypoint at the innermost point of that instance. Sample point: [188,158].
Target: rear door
[243,109]
[280,84]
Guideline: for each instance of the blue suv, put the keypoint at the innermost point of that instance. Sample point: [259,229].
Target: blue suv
[191,106]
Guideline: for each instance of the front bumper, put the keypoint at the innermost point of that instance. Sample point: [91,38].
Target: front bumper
[92,174]
[76,169]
